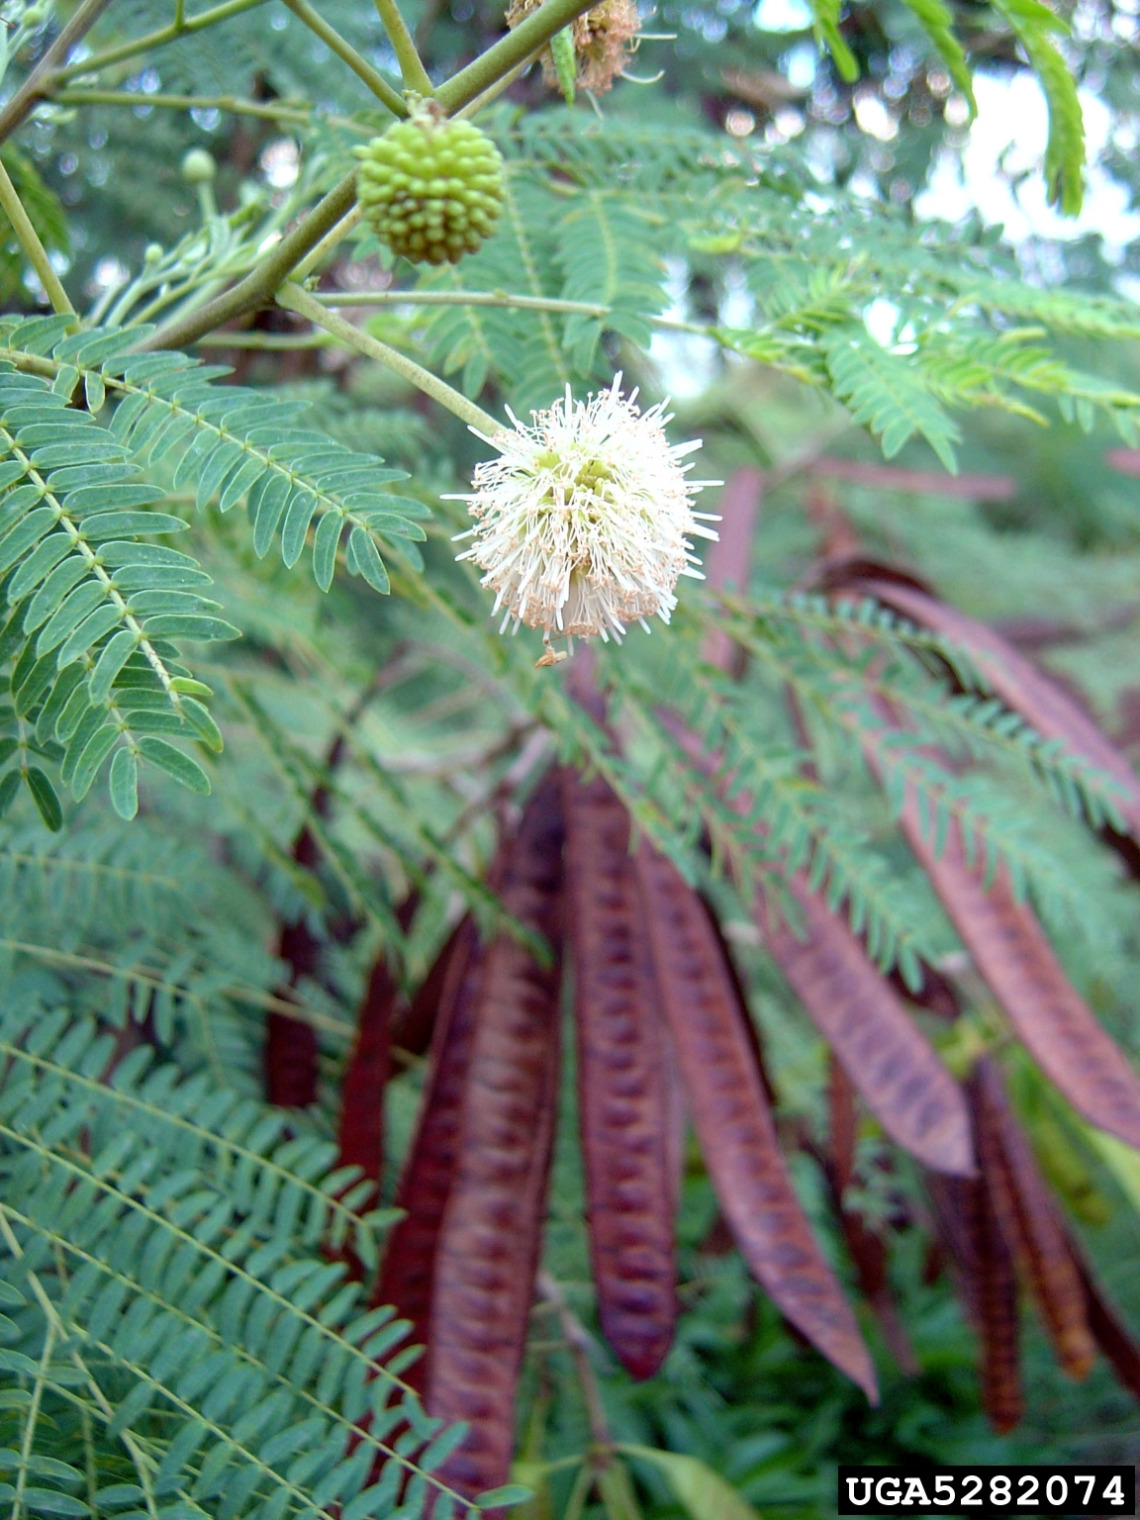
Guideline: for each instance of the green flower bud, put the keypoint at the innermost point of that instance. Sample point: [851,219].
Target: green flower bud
[198,167]
[432,189]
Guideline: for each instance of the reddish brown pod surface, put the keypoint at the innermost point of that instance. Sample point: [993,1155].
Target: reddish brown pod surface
[734,1124]
[1029,1222]
[863,1019]
[985,1276]
[490,1235]
[623,1082]
[1110,1335]
[1012,953]
[409,1261]
[1019,683]
[893,1065]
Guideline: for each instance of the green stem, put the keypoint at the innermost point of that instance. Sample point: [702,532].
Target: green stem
[530,35]
[260,285]
[293,298]
[267,342]
[501,298]
[473,107]
[459,298]
[43,77]
[30,242]
[328,242]
[412,70]
[228,103]
[347,54]
[179,27]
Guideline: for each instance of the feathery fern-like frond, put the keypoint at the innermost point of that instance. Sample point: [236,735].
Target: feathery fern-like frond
[160,1240]
[93,606]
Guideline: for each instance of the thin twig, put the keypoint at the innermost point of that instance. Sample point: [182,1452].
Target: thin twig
[458,298]
[581,1346]
[293,298]
[29,240]
[231,104]
[347,54]
[503,298]
[412,70]
[317,255]
[179,27]
[43,77]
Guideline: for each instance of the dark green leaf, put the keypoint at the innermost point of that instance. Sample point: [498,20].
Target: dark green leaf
[45,799]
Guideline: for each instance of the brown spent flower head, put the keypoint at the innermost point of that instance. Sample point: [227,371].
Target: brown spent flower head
[601,37]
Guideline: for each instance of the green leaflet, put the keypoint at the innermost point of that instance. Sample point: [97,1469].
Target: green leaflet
[887,394]
[702,1491]
[1034,25]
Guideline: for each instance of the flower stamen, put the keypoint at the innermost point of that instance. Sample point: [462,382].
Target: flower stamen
[582,522]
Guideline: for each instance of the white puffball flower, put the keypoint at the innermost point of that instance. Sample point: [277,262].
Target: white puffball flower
[583,520]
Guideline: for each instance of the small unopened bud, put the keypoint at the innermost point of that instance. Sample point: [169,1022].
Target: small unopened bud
[198,167]
[152,253]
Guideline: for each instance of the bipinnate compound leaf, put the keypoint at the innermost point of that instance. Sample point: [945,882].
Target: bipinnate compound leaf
[1049,710]
[889,395]
[92,605]
[170,1229]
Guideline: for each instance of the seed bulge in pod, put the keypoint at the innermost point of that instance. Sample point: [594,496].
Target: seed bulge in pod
[432,189]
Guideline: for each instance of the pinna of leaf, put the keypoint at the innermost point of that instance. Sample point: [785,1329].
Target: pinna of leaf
[93,608]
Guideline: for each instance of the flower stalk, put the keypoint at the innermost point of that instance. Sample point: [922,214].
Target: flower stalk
[347,54]
[412,70]
[293,298]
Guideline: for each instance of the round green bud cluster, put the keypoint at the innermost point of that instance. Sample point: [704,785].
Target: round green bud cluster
[431,188]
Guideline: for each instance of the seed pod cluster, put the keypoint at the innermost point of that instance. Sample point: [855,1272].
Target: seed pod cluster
[432,189]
